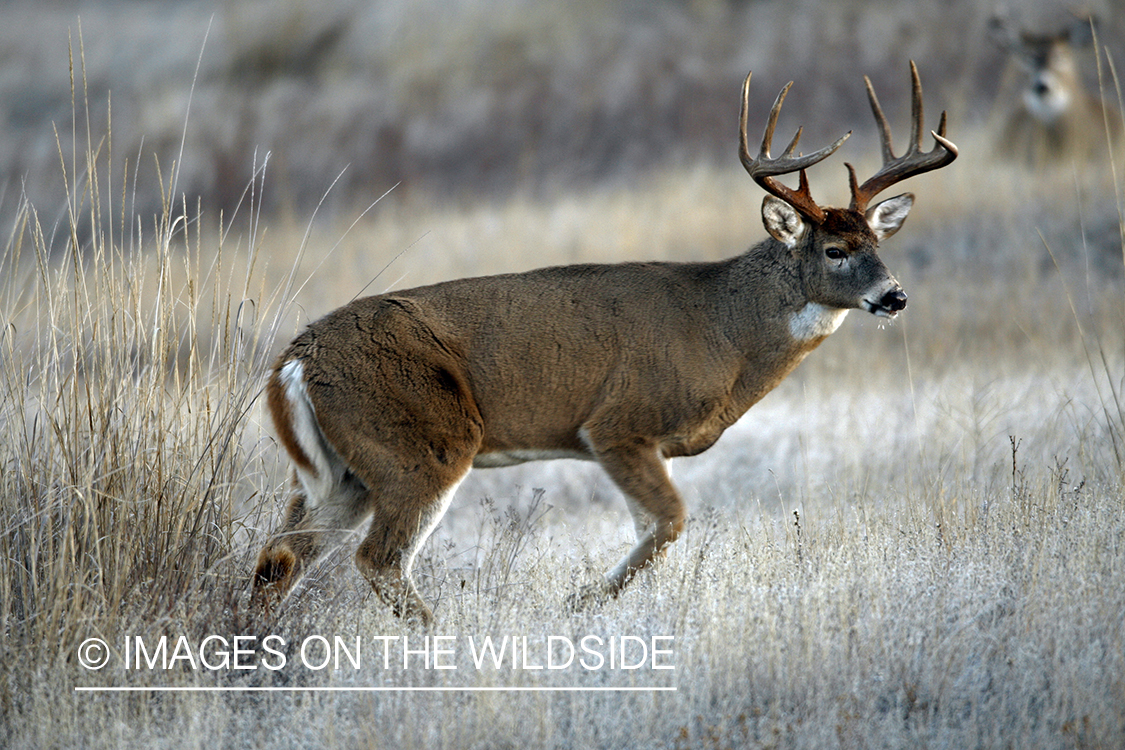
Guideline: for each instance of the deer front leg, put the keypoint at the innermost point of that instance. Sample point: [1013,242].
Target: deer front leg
[658,513]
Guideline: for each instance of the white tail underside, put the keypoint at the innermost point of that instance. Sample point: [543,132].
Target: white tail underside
[330,470]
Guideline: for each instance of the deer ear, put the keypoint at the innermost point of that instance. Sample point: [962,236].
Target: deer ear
[887,217]
[782,221]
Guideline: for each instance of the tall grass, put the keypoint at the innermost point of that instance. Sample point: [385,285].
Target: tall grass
[133,352]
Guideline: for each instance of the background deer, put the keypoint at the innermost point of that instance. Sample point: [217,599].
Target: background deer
[1057,116]
[386,403]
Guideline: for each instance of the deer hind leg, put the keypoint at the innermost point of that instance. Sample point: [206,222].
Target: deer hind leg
[397,430]
[657,509]
[399,527]
[314,524]
[328,499]
[410,439]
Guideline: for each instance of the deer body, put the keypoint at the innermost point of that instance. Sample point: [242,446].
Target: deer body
[592,335]
[385,404]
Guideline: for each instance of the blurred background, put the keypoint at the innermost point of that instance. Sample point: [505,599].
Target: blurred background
[471,99]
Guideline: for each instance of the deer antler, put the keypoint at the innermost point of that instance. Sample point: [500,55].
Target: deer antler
[764,168]
[914,161]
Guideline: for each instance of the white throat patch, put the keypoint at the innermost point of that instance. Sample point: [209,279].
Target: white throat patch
[814,321]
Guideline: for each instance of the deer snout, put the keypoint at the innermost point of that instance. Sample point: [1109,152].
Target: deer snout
[893,301]
[889,305]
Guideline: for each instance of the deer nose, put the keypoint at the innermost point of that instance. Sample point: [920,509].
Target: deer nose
[894,300]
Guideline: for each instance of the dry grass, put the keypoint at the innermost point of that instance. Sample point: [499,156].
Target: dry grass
[917,540]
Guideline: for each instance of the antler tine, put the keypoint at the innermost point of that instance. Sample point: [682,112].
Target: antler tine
[743,117]
[939,136]
[881,121]
[914,161]
[763,168]
[771,123]
[916,117]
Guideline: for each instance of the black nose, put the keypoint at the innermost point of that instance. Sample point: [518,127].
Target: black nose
[894,300]
[1040,88]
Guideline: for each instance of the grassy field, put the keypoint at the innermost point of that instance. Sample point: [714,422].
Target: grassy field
[917,540]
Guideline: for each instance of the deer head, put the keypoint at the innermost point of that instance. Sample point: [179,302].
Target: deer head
[1053,86]
[836,247]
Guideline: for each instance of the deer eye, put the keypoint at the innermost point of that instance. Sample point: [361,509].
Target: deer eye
[834,253]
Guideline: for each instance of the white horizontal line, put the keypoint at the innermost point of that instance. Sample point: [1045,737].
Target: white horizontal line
[170,689]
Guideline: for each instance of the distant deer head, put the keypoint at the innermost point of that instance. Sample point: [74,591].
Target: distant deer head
[385,404]
[1056,116]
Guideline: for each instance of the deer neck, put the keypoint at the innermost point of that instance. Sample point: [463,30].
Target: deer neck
[768,302]
[769,318]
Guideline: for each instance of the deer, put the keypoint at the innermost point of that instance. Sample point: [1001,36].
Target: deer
[385,404]
[1057,116]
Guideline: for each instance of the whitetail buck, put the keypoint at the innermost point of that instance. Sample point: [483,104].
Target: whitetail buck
[1057,116]
[385,404]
